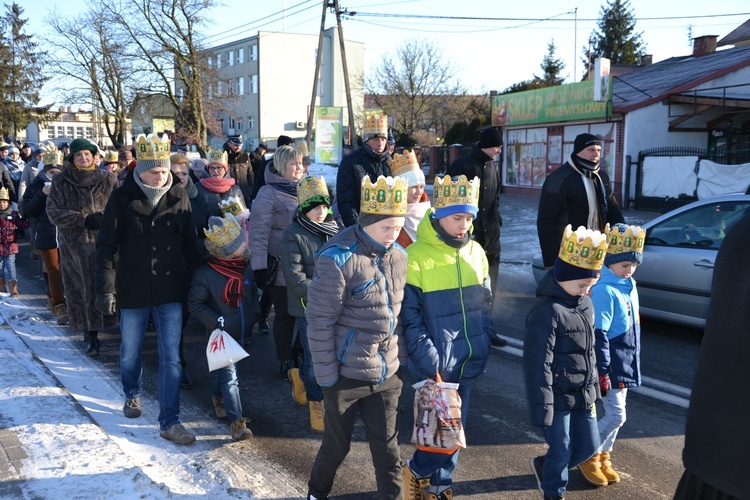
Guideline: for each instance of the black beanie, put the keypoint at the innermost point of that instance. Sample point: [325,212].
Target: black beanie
[284,140]
[564,271]
[585,140]
[490,137]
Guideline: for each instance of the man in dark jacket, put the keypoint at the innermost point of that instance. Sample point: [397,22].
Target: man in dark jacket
[479,163]
[371,159]
[715,454]
[578,193]
[260,180]
[240,168]
[257,159]
[148,223]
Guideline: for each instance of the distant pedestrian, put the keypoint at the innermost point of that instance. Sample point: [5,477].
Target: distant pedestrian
[240,168]
[260,180]
[257,160]
[10,223]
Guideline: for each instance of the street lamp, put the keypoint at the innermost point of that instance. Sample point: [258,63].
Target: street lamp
[592,40]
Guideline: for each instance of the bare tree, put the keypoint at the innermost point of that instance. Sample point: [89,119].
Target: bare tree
[412,86]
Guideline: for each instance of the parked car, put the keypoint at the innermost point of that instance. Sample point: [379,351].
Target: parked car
[674,281]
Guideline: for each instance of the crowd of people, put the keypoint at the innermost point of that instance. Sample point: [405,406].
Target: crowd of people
[366,285]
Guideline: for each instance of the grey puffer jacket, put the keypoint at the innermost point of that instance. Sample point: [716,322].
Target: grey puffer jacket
[273,210]
[298,265]
[354,302]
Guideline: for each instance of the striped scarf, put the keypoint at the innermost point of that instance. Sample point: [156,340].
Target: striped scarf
[234,270]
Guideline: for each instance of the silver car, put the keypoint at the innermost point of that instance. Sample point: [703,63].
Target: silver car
[674,280]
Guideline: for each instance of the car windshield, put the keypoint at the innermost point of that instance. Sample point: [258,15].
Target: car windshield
[701,227]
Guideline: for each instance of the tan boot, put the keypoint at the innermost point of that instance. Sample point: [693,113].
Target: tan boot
[239,430]
[611,474]
[51,305]
[298,387]
[317,416]
[219,409]
[13,288]
[446,494]
[61,311]
[592,471]
[414,488]
[2,285]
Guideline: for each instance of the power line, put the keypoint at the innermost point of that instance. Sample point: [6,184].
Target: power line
[225,34]
[353,14]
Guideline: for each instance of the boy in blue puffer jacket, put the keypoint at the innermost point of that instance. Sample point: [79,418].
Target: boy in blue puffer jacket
[618,341]
[446,317]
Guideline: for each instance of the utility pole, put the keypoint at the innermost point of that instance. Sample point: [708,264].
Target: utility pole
[318,59]
[575,46]
[352,133]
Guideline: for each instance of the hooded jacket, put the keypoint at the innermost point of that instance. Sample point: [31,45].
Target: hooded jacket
[298,264]
[618,329]
[353,168]
[354,304]
[447,311]
[34,205]
[559,363]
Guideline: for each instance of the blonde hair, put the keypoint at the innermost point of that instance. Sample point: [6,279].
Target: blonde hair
[282,156]
[179,159]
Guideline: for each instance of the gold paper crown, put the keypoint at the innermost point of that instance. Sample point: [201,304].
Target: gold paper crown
[386,197]
[584,248]
[152,148]
[221,232]
[111,157]
[375,124]
[310,187]
[52,158]
[218,156]
[4,195]
[631,240]
[234,205]
[462,192]
[403,163]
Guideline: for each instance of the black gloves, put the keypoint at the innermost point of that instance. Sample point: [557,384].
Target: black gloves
[105,303]
[93,221]
[260,278]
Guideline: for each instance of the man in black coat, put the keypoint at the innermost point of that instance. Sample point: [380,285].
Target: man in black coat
[240,168]
[479,163]
[579,193]
[260,177]
[148,224]
[258,159]
[716,439]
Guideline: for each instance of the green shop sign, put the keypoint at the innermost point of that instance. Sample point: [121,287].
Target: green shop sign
[574,101]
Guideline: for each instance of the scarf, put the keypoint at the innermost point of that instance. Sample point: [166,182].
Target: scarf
[154,194]
[234,270]
[595,194]
[287,187]
[369,152]
[324,229]
[191,190]
[15,169]
[414,216]
[446,238]
[8,211]
[92,167]
[218,184]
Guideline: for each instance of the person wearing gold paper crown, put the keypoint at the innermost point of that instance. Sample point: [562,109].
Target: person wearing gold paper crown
[312,227]
[75,205]
[618,342]
[354,302]
[218,291]
[371,160]
[148,224]
[10,223]
[559,361]
[44,233]
[406,166]
[446,317]
[219,186]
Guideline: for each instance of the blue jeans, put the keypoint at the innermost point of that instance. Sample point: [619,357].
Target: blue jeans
[168,321]
[439,467]
[573,438]
[227,387]
[306,373]
[8,267]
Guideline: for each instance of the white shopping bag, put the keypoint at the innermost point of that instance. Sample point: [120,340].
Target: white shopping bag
[222,350]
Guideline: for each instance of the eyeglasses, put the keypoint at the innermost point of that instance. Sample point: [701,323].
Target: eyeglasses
[215,168]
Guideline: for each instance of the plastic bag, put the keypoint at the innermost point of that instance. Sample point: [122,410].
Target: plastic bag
[437,417]
[222,350]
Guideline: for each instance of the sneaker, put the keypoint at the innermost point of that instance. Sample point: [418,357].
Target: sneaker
[132,408]
[298,387]
[414,488]
[218,402]
[497,340]
[178,435]
[317,416]
[537,466]
[263,326]
[239,431]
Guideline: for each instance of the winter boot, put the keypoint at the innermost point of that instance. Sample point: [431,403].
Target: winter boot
[263,327]
[317,416]
[239,430]
[13,288]
[218,401]
[2,285]
[92,343]
[62,314]
[611,475]
[298,387]
[446,494]
[51,305]
[592,471]
[414,488]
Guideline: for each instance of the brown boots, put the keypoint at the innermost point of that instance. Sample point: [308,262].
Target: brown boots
[611,475]
[12,287]
[61,311]
[598,470]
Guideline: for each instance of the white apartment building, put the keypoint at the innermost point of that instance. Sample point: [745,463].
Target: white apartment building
[271,76]
[67,124]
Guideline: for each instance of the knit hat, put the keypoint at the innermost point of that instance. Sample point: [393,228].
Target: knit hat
[490,137]
[456,196]
[81,144]
[625,244]
[382,200]
[284,140]
[152,152]
[406,166]
[224,235]
[585,140]
[312,192]
[581,254]
[13,150]
[391,139]
[199,165]
[38,150]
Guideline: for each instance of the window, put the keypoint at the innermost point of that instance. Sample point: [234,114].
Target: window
[251,123]
[240,56]
[51,132]
[218,60]
[220,89]
[69,132]
[89,133]
[230,58]
[241,85]
[253,53]
[254,84]
[60,131]
[180,93]
[79,131]
[210,62]
[232,123]
[239,125]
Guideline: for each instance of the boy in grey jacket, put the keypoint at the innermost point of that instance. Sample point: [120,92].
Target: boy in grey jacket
[354,301]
